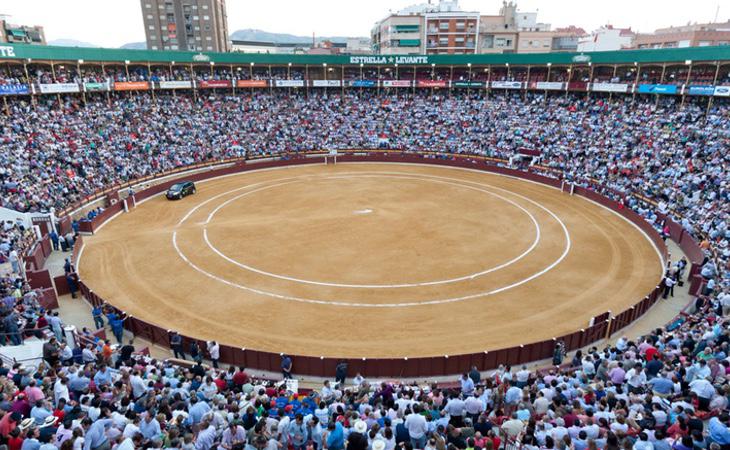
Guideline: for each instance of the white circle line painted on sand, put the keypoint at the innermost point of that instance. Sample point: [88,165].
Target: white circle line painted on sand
[381,305]
[471,276]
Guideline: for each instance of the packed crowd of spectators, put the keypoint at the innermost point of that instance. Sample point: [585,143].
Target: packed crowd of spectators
[15,240]
[668,389]
[53,155]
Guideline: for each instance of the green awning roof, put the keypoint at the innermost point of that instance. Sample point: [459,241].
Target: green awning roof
[409,42]
[406,28]
[17,33]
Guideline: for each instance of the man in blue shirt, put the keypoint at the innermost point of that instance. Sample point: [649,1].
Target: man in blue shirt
[150,427]
[103,376]
[95,435]
[286,366]
[98,316]
[718,429]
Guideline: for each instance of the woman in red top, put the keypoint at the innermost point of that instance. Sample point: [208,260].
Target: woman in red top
[15,441]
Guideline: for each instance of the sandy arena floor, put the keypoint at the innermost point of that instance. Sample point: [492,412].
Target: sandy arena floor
[370,260]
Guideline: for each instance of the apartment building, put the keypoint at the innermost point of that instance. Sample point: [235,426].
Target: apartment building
[192,25]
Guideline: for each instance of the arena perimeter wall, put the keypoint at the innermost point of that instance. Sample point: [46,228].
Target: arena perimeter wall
[603,326]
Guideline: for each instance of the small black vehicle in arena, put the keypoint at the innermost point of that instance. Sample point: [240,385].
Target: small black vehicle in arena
[180,190]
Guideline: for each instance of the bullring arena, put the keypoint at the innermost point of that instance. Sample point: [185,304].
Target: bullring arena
[445,260]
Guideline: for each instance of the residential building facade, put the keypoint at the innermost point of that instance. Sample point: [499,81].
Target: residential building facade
[21,34]
[192,25]
[692,35]
[443,28]
[606,39]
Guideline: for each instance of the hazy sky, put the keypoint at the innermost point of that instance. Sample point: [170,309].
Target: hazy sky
[111,23]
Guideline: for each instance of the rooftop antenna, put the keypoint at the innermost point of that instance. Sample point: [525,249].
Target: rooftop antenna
[717,12]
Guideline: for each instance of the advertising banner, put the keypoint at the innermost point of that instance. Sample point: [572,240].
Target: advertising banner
[610,87]
[549,85]
[722,91]
[326,83]
[363,83]
[207,84]
[131,86]
[58,88]
[506,84]
[14,89]
[431,84]
[252,83]
[701,90]
[577,86]
[289,83]
[468,84]
[176,84]
[96,87]
[657,89]
[396,83]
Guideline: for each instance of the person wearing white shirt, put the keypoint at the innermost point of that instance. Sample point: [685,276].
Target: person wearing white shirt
[327,393]
[636,378]
[322,413]
[214,350]
[131,443]
[704,390]
[132,428]
[417,428]
[474,407]
[358,380]
[60,390]
[522,377]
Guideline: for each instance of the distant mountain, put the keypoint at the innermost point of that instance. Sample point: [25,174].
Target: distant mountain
[265,36]
[135,46]
[71,43]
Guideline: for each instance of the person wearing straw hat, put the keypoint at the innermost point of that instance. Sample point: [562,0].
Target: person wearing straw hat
[378,444]
[47,430]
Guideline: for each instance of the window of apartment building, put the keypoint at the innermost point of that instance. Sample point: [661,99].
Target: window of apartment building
[443,41]
[174,47]
[205,6]
[459,39]
[206,17]
[154,47]
[147,5]
[196,17]
[151,27]
[460,25]
[503,42]
[197,28]
[197,38]
[443,25]
[208,38]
